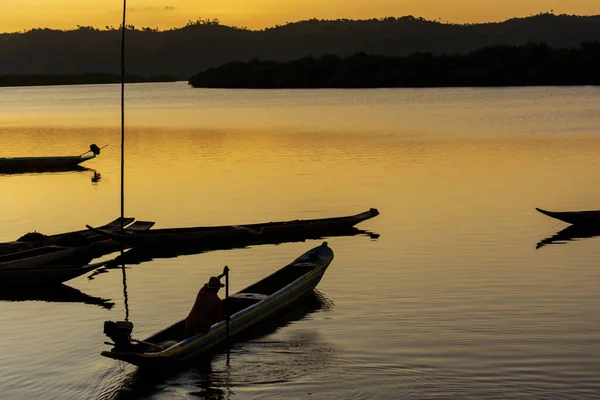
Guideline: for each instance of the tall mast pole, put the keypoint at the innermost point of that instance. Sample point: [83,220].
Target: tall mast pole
[123,151]
[123,115]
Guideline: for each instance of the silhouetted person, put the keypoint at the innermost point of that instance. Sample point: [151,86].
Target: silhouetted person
[207,310]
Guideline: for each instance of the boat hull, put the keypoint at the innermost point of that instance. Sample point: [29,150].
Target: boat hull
[38,277]
[212,236]
[589,218]
[42,164]
[241,321]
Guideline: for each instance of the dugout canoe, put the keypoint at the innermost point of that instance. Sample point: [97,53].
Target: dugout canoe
[45,276]
[51,255]
[236,234]
[46,163]
[589,218]
[35,239]
[246,309]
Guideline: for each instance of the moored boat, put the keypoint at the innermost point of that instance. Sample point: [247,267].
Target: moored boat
[591,217]
[247,308]
[50,256]
[38,277]
[46,163]
[213,235]
[35,239]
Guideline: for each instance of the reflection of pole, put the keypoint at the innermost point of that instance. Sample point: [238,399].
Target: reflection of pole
[125,290]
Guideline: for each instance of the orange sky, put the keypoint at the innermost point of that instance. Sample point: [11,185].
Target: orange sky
[18,15]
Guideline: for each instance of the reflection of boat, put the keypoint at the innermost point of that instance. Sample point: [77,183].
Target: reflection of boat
[575,217]
[55,294]
[139,255]
[572,232]
[47,276]
[246,308]
[228,234]
[50,163]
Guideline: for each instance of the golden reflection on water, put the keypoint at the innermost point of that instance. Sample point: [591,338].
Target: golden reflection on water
[455,273]
[183,177]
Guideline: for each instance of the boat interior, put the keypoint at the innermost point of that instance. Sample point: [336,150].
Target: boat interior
[232,305]
[40,251]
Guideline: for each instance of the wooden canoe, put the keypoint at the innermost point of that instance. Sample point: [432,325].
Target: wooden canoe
[34,240]
[51,255]
[590,218]
[236,234]
[248,308]
[42,164]
[38,277]
[47,163]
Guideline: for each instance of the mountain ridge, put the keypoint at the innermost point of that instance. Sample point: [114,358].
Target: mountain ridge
[203,44]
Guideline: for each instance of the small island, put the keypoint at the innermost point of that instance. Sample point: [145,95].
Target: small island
[533,64]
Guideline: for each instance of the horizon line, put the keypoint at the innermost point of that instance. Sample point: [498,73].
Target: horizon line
[216,22]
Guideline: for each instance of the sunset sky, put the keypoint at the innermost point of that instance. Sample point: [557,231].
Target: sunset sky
[18,15]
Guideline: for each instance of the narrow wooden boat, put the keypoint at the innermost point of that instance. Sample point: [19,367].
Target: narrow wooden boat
[49,255]
[574,217]
[213,235]
[34,239]
[44,276]
[247,308]
[48,163]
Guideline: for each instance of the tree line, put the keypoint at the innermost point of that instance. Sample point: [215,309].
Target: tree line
[533,64]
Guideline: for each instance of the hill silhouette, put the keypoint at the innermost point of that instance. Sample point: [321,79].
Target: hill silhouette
[205,44]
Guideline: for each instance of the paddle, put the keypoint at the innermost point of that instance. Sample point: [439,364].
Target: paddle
[226,275]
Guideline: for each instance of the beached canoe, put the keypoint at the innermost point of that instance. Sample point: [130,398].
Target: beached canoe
[575,217]
[236,234]
[47,163]
[247,309]
[44,277]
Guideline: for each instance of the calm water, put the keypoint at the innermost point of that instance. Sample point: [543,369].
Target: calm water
[452,301]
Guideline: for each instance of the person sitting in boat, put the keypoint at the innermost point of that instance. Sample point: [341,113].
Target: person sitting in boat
[207,309]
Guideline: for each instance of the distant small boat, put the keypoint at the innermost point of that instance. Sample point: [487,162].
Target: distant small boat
[575,217]
[247,309]
[236,234]
[44,276]
[48,163]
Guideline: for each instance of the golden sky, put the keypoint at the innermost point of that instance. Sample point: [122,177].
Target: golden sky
[18,15]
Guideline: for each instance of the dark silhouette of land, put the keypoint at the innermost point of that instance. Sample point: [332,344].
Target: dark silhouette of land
[77,79]
[529,65]
[205,44]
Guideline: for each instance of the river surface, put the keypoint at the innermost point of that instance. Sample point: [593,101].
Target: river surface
[452,301]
